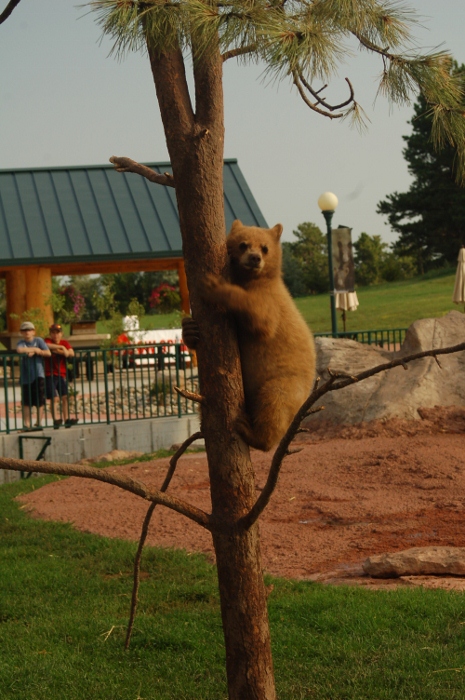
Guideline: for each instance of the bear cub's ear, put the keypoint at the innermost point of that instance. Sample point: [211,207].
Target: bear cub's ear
[276,231]
[236,224]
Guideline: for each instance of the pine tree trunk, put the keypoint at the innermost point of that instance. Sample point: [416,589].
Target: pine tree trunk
[195,143]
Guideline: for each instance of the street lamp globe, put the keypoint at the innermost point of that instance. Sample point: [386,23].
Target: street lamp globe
[327,201]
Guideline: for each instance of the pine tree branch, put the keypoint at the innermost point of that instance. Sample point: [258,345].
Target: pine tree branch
[367,44]
[241,51]
[8,10]
[127,165]
[126,483]
[334,383]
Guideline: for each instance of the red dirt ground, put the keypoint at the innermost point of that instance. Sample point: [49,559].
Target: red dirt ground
[352,491]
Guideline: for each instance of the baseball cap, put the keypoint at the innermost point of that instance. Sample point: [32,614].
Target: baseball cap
[27,326]
[55,327]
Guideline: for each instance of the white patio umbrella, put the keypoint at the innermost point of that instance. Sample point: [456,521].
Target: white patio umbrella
[458,296]
[346,301]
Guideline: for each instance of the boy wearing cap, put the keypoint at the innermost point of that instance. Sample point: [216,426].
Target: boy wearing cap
[56,375]
[33,350]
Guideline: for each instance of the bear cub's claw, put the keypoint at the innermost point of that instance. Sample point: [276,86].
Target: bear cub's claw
[210,284]
[190,333]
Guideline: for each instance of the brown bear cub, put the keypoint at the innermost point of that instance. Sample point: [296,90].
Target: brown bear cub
[276,345]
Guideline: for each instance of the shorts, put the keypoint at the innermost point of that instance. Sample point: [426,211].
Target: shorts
[34,394]
[56,385]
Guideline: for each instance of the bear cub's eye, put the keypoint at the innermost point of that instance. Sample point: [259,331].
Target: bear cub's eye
[264,249]
[243,246]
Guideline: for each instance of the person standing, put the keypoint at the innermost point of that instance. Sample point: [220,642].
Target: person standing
[56,383]
[33,350]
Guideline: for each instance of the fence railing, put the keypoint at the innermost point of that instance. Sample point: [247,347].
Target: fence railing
[97,386]
[389,339]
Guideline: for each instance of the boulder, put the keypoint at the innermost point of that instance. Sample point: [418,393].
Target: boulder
[113,456]
[398,392]
[418,561]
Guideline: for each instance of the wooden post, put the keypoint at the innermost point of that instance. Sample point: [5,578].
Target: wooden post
[15,298]
[39,291]
[183,288]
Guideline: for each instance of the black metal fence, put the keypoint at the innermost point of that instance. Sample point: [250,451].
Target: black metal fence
[118,384]
[98,386]
[389,339]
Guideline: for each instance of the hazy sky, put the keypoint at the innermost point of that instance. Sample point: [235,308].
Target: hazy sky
[63,101]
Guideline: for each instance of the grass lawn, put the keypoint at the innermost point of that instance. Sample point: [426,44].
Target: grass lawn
[64,600]
[394,305]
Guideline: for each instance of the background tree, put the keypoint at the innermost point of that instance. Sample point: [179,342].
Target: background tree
[305,261]
[398,267]
[376,263]
[73,298]
[430,216]
[127,286]
[370,254]
[123,287]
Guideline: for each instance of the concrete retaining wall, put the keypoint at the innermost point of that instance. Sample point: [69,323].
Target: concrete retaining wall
[69,445]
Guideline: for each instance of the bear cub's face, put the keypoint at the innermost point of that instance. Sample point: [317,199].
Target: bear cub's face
[254,252]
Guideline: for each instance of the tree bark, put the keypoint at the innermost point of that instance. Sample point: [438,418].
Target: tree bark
[196,144]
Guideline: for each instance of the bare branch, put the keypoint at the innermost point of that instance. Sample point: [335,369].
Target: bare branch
[136,576]
[127,165]
[338,374]
[8,10]
[123,482]
[330,385]
[145,528]
[325,104]
[190,395]
[311,411]
[241,51]
[328,110]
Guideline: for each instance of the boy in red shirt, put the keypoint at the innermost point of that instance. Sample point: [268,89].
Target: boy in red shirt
[56,384]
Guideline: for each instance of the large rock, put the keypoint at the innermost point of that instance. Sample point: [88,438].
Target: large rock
[398,392]
[113,456]
[418,561]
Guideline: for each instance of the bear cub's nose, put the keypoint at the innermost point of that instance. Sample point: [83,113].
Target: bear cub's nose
[255,259]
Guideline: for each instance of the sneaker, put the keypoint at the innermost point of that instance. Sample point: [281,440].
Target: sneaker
[57,423]
[70,422]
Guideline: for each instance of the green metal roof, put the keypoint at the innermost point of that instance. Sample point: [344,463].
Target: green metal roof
[93,213]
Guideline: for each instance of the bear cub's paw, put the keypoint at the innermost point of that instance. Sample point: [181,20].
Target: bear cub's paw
[243,427]
[190,333]
[213,288]
[258,438]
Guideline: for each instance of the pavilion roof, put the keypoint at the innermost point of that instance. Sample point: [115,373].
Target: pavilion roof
[95,214]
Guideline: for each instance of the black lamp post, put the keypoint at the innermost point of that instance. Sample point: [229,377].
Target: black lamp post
[328,203]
